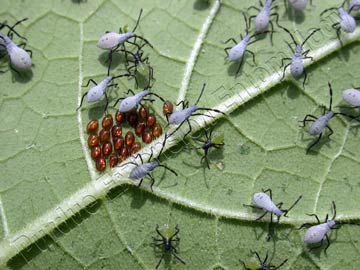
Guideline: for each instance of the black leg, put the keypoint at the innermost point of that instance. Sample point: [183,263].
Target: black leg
[283,76]
[134,43]
[145,40]
[162,256]
[270,192]
[111,85]
[257,255]
[291,47]
[11,29]
[253,55]
[139,156]
[292,206]
[141,180]
[190,128]
[169,169]
[117,101]
[314,215]
[82,99]
[177,230]
[226,51]
[304,225]
[261,216]
[253,206]
[338,29]
[305,55]
[107,100]
[127,163]
[253,16]
[328,243]
[110,62]
[130,91]
[184,104]
[238,69]
[269,227]
[206,160]
[244,265]
[312,145]
[319,246]
[277,267]
[284,59]
[230,39]
[334,209]
[177,257]
[152,181]
[331,131]
[30,52]
[91,80]
[159,233]
[272,29]
[305,77]
[306,119]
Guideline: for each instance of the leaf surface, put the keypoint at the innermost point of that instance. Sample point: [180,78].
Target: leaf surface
[57,212]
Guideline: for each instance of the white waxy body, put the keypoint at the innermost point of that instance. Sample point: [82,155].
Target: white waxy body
[112,39]
[178,117]
[298,5]
[318,126]
[297,67]
[238,50]
[347,22]
[132,102]
[141,170]
[354,5]
[18,56]
[352,96]
[263,18]
[317,232]
[263,200]
[96,92]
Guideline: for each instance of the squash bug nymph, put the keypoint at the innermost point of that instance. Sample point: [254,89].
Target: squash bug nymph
[111,40]
[182,116]
[132,102]
[20,58]
[237,52]
[97,91]
[347,22]
[319,124]
[296,64]
[168,237]
[317,232]
[352,96]
[216,141]
[144,169]
[264,202]
[262,19]
[139,65]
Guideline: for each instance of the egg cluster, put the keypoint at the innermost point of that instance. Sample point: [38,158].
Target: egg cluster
[111,146]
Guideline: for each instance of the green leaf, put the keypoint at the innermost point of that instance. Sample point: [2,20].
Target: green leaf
[58,212]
